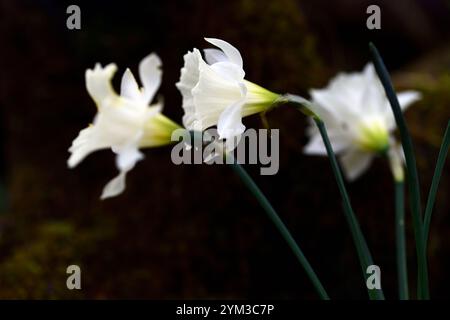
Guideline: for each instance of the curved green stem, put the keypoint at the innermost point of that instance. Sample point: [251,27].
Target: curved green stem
[362,249]
[411,170]
[435,183]
[365,258]
[275,218]
[402,270]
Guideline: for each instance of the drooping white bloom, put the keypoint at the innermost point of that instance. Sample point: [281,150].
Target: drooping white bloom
[215,91]
[123,122]
[358,118]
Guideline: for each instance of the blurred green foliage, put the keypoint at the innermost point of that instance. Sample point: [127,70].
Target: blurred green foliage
[36,269]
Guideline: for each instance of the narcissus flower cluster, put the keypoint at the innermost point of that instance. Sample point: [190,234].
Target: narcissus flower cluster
[215,93]
[354,116]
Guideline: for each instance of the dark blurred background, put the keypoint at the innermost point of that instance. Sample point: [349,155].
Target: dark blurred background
[195,231]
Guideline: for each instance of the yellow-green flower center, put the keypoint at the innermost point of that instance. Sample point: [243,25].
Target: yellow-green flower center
[158,131]
[259,99]
[373,135]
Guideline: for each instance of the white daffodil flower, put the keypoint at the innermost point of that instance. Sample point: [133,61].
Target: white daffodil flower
[215,91]
[123,122]
[358,118]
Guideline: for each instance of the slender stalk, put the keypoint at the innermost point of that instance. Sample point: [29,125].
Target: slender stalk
[365,258]
[435,183]
[362,249]
[402,272]
[411,170]
[275,218]
[394,157]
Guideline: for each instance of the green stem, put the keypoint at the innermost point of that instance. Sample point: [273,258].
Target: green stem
[272,214]
[435,183]
[411,169]
[402,271]
[362,249]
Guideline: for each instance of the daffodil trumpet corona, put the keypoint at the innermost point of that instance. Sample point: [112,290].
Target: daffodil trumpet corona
[124,122]
[216,93]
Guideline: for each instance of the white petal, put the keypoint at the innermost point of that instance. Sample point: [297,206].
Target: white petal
[129,88]
[188,80]
[211,96]
[230,120]
[355,162]
[343,96]
[369,71]
[189,73]
[315,146]
[214,55]
[231,143]
[114,187]
[231,52]
[125,160]
[150,73]
[373,100]
[127,156]
[326,103]
[229,71]
[85,143]
[406,98]
[98,83]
